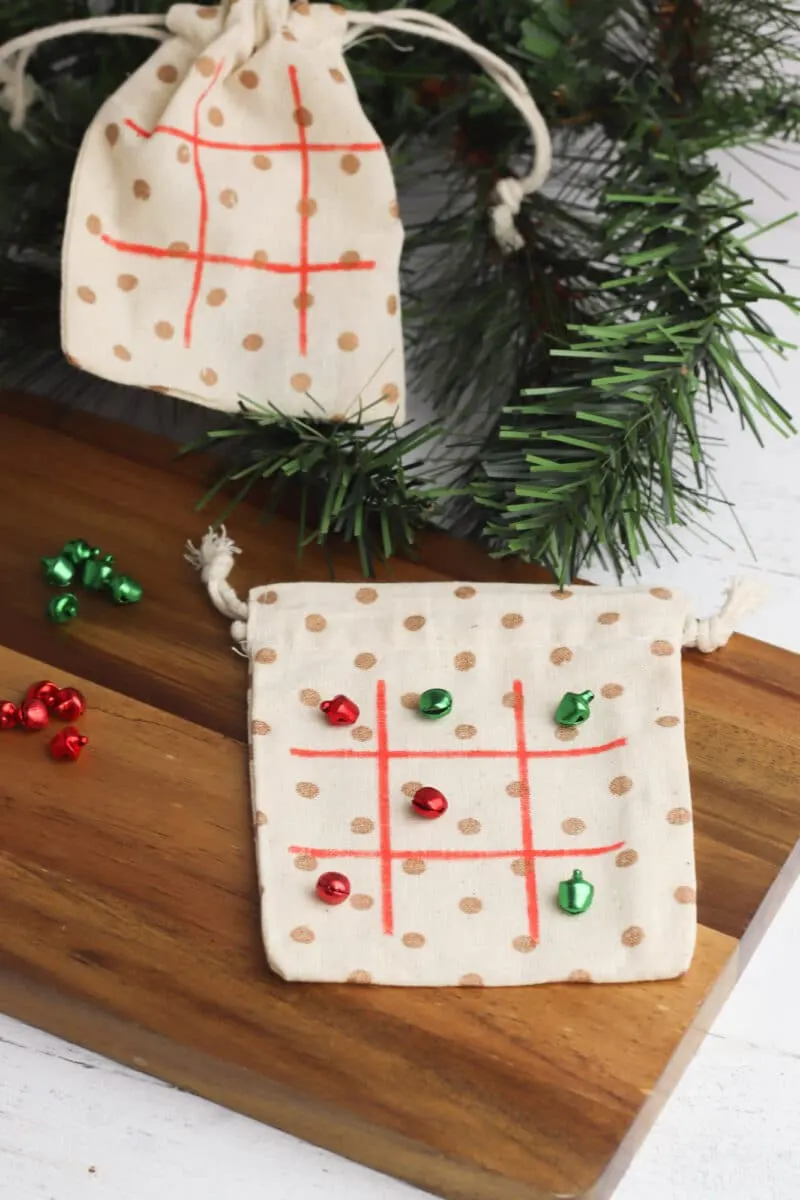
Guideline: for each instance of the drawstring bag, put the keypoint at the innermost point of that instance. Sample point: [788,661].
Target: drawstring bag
[233,227]
[536,828]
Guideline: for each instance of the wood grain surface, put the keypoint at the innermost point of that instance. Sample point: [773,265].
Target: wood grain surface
[128,894]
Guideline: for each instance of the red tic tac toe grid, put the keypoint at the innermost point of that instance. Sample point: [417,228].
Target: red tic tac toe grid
[202,254]
[387,854]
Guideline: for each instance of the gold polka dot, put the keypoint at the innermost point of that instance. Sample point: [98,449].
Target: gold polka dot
[260,819]
[394,209]
[362,825]
[511,700]
[300,382]
[309,791]
[178,247]
[609,618]
[579,977]
[307,208]
[573,826]
[361,902]
[662,649]
[262,162]
[562,594]
[164,330]
[626,858]
[303,117]
[216,297]
[514,789]
[350,256]
[183,153]
[112,134]
[470,905]
[350,164]
[122,353]
[347,341]
[465,592]
[414,623]
[679,816]
[464,661]
[248,79]
[524,944]
[411,788]
[523,866]
[392,305]
[259,728]
[207,14]
[366,595]
[302,934]
[303,301]
[668,722]
[464,732]
[260,256]
[512,620]
[306,862]
[566,733]
[661,593]
[253,341]
[86,295]
[268,597]
[362,733]
[414,866]
[302,8]
[228,198]
[469,826]
[126,283]
[561,655]
[633,936]
[288,36]
[206,66]
[410,700]
[414,941]
[612,691]
[365,662]
[216,117]
[336,75]
[315,623]
[167,73]
[208,376]
[362,977]
[471,980]
[390,393]
[620,785]
[310,698]
[94,225]
[141,189]
[685,895]
[266,656]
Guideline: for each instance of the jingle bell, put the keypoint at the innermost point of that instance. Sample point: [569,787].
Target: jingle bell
[125,590]
[68,744]
[429,802]
[435,703]
[9,714]
[333,888]
[575,895]
[69,704]
[62,609]
[59,571]
[97,573]
[45,691]
[340,710]
[78,550]
[574,708]
[33,715]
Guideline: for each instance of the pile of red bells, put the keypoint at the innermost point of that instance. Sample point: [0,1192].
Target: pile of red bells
[42,701]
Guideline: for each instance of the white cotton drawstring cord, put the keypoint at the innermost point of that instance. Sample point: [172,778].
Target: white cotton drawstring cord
[18,91]
[744,596]
[215,560]
[509,192]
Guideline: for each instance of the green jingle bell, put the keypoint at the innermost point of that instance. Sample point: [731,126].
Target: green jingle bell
[97,573]
[574,708]
[125,590]
[575,895]
[435,704]
[59,571]
[63,609]
[78,550]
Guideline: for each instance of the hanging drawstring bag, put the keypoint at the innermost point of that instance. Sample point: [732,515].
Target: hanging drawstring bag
[233,227]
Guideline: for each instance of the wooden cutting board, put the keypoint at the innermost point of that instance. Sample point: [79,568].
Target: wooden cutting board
[128,895]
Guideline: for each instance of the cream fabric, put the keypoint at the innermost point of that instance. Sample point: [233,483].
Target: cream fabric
[233,228]
[611,798]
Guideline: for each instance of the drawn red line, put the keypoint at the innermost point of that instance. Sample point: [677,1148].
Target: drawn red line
[203,221]
[305,189]
[525,812]
[459,855]
[192,256]
[580,752]
[251,148]
[384,809]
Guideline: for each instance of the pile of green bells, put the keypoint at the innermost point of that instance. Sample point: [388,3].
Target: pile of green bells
[81,563]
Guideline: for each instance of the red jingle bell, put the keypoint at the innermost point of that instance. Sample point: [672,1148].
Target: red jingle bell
[69,704]
[9,714]
[429,802]
[33,715]
[67,744]
[333,888]
[45,691]
[340,710]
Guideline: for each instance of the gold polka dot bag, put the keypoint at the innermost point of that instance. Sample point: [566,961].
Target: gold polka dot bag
[460,784]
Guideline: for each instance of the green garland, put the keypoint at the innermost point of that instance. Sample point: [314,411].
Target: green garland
[566,379]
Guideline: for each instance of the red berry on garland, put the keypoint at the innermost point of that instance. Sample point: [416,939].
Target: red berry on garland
[430,803]
[9,714]
[333,888]
[33,715]
[70,704]
[68,744]
[45,691]
[340,710]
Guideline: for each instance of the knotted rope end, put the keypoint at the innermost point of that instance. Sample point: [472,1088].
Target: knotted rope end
[743,596]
